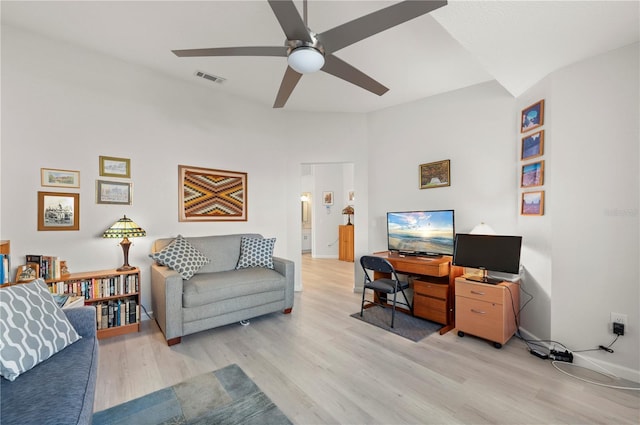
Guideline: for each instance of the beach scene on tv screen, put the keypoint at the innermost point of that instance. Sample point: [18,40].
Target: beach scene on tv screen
[425,232]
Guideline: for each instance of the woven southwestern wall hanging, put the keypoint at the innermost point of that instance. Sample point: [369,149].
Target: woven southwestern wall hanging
[212,195]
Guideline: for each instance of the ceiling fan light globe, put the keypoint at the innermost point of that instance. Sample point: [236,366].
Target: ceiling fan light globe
[306,60]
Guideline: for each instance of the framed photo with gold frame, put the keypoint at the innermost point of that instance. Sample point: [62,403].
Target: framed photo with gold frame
[111,166]
[532,146]
[206,194]
[114,193]
[59,178]
[58,211]
[532,116]
[532,174]
[27,273]
[435,174]
[532,203]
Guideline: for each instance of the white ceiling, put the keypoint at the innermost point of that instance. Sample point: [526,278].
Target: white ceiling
[516,43]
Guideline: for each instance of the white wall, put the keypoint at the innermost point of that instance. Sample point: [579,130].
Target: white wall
[594,194]
[83,104]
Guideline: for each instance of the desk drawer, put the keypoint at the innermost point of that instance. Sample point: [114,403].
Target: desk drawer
[435,290]
[430,308]
[480,291]
[479,318]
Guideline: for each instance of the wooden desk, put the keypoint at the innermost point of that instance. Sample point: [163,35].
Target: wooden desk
[433,286]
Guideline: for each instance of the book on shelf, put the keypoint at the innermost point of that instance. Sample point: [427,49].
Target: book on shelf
[50,267]
[60,299]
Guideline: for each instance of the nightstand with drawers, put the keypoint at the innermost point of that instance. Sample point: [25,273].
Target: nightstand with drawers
[487,311]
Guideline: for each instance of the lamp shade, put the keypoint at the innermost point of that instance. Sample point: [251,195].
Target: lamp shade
[482,229]
[124,228]
[348,210]
[306,60]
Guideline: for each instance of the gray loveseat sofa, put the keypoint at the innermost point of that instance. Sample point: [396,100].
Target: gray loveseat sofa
[61,389]
[217,294]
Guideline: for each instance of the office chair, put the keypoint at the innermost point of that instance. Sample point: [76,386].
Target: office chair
[390,285]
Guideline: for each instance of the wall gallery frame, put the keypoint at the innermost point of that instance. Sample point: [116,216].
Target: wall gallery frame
[58,211]
[115,167]
[59,178]
[435,174]
[114,193]
[532,146]
[206,194]
[532,174]
[327,198]
[532,203]
[532,116]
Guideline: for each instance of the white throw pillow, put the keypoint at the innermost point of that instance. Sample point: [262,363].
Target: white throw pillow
[182,257]
[256,252]
[32,328]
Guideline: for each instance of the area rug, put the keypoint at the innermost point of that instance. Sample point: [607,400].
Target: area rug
[407,326]
[227,396]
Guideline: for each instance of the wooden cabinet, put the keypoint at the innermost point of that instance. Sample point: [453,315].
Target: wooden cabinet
[487,311]
[431,300]
[114,294]
[345,238]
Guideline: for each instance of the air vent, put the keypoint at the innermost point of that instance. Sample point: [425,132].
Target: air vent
[210,77]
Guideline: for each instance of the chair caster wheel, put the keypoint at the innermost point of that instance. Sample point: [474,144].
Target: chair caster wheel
[497,345]
[460,334]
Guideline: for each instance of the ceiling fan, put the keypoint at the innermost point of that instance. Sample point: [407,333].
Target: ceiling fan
[308,52]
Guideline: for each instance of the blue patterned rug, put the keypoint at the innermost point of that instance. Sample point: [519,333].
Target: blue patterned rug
[227,396]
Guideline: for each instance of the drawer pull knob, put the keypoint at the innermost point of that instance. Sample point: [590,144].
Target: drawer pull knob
[477,292]
[473,310]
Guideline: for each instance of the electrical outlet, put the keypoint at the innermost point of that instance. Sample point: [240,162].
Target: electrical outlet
[619,318]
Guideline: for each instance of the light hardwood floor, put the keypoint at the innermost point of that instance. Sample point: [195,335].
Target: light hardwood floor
[321,366]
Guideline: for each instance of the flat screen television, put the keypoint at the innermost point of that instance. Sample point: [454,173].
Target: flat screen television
[421,233]
[488,253]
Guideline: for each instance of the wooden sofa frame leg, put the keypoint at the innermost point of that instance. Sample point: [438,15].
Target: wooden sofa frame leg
[174,341]
[287,310]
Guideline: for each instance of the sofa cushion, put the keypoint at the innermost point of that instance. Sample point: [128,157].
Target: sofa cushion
[205,288]
[182,257]
[34,328]
[256,252]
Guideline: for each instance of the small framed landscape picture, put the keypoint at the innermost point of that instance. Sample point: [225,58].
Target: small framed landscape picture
[59,178]
[115,167]
[532,174]
[58,211]
[435,174]
[532,203]
[327,198]
[532,146]
[532,116]
[116,193]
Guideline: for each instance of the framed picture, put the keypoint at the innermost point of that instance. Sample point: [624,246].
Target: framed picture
[58,211]
[352,196]
[27,273]
[532,116]
[206,194]
[115,167]
[435,174]
[532,203]
[327,198]
[532,146]
[59,178]
[116,193]
[532,174]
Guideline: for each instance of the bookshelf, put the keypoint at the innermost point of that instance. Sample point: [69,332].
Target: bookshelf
[5,261]
[117,291]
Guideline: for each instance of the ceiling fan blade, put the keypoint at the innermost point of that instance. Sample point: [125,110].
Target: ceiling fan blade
[346,34]
[290,20]
[289,82]
[339,68]
[233,51]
